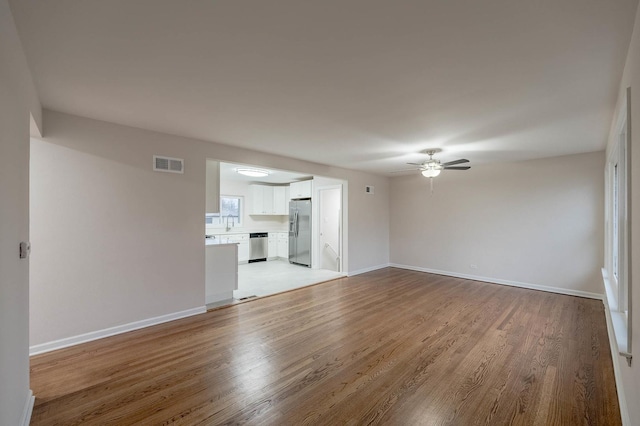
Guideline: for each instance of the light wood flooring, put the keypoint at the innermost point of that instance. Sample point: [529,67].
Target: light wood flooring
[389,347]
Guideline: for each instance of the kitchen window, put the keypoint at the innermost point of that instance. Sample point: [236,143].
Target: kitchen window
[231,211]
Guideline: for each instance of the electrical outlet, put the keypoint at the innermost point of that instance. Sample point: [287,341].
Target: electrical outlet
[473,266]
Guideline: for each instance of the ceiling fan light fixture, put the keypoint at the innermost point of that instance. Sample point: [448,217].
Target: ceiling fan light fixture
[430,173]
[252,172]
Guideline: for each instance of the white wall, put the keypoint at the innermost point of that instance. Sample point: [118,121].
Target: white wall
[631,78]
[534,222]
[115,242]
[17,101]
[367,242]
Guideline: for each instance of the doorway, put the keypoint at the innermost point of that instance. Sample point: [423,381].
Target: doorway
[329,229]
[277,274]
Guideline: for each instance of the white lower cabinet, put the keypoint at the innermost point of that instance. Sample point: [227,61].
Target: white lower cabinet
[273,245]
[243,252]
[278,245]
[243,246]
[283,245]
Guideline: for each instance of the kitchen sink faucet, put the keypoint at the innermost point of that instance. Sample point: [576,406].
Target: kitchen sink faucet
[233,223]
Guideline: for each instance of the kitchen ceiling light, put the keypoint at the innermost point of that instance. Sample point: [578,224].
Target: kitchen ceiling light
[430,173]
[253,172]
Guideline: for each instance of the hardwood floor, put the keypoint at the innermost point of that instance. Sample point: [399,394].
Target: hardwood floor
[387,347]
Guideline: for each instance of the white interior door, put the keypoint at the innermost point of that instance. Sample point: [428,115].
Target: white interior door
[329,228]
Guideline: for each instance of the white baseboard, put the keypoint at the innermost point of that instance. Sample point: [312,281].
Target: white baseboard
[559,290]
[365,270]
[28,409]
[99,334]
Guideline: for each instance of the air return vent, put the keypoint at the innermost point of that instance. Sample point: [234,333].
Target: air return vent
[168,164]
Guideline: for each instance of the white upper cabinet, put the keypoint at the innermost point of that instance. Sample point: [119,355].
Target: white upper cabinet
[212,187]
[300,189]
[261,199]
[268,200]
[281,200]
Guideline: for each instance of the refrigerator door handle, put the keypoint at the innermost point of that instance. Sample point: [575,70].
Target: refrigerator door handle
[295,221]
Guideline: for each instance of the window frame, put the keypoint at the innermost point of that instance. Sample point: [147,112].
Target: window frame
[220,221]
[617,265]
[616,209]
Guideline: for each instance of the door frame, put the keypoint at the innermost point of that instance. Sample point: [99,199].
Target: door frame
[318,248]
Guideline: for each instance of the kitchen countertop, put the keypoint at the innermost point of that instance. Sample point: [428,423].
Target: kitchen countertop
[247,231]
[219,242]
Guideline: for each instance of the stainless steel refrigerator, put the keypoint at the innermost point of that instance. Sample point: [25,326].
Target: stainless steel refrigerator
[300,232]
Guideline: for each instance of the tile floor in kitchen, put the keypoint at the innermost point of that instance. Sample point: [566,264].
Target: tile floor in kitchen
[275,276]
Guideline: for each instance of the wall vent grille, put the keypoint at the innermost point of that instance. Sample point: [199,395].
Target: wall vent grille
[168,164]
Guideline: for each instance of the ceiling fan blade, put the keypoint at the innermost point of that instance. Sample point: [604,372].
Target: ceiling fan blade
[458,168]
[415,164]
[405,170]
[460,161]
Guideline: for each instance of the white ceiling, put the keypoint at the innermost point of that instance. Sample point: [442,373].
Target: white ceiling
[362,84]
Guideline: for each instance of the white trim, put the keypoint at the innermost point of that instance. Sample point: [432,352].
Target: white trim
[28,409]
[365,270]
[316,227]
[112,331]
[559,290]
[618,287]
[618,319]
[615,357]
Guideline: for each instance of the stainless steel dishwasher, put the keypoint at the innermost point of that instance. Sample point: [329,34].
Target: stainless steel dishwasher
[258,246]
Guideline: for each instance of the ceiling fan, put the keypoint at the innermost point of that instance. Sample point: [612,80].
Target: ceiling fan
[432,167]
